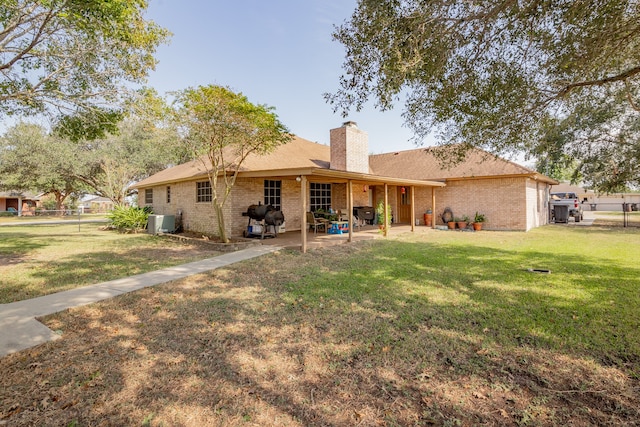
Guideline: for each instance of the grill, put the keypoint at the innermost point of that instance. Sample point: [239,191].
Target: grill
[267,215]
[365,213]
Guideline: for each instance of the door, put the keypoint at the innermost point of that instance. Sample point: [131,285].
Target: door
[404,205]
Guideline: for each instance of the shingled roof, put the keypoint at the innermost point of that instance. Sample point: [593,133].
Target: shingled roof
[298,153]
[419,164]
[423,164]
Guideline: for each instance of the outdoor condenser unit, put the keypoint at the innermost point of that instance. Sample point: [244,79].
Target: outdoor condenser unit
[161,224]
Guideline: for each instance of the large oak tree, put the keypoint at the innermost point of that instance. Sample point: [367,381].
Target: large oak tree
[506,76]
[68,57]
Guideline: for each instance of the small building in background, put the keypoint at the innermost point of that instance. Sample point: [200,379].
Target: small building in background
[19,203]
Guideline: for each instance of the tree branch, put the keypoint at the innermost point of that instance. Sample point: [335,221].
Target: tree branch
[629,97]
[37,38]
[611,79]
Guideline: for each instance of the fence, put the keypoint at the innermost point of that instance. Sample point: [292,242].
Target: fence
[44,216]
[630,212]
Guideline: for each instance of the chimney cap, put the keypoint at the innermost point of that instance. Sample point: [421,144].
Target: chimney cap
[350,123]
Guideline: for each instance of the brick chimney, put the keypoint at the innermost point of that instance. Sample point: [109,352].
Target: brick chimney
[349,148]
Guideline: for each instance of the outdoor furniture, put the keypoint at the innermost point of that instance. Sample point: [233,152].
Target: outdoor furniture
[315,223]
[338,227]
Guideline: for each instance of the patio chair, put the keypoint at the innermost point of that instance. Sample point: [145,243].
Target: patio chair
[315,223]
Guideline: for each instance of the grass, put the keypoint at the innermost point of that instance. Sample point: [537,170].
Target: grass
[39,260]
[436,328]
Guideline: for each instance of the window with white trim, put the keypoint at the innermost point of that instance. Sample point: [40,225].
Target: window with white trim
[272,193]
[148,196]
[319,196]
[203,192]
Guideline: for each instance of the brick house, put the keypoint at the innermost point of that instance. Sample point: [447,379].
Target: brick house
[305,176]
[511,196]
[18,202]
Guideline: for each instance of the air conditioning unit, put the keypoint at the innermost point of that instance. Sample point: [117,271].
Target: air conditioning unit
[161,224]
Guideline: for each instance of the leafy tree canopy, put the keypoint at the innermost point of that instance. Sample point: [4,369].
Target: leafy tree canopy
[69,57]
[143,144]
[502,75]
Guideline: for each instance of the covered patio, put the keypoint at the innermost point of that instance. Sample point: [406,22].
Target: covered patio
[353,183]
[293,239]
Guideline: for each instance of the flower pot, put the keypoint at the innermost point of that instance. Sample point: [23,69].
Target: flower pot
[462,225]
[451,225]
[477,226]
[427,219]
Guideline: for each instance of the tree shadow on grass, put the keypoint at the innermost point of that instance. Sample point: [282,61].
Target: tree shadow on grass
[72,271]
[14,246]
[399,340]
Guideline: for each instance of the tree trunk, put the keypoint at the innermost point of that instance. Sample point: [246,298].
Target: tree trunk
[220,217]
[59,200]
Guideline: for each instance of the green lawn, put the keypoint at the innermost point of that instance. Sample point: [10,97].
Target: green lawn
[436,328]
[42,259]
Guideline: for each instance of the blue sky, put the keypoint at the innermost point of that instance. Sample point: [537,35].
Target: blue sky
[278,53]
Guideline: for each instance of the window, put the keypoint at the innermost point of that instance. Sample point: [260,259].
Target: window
[405,196]
[320,196]
[168,194]
[272,191]
[148,196]
[203,191]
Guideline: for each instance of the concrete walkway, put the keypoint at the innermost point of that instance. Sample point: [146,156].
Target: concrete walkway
[20,330]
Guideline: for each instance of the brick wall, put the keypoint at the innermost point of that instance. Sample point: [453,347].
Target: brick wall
[200,217]
[502,200]
[508,203]
[349,149]
[339,197]
[251,191]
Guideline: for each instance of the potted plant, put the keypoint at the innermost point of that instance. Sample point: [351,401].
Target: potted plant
[478,219]
[462,222]
[428,217]
[382,221]
[452,224]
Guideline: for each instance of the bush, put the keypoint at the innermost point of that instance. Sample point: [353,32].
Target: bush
[129,219]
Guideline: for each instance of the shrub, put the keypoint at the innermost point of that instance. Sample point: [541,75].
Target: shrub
[129,218]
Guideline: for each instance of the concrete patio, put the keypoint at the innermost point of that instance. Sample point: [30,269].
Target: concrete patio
[292,239]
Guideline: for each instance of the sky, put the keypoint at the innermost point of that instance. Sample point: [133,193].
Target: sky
[279,53]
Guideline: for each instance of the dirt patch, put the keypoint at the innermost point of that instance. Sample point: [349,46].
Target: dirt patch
[234,244]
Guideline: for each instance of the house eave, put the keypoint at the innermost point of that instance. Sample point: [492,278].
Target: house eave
[337,176]
[534,176]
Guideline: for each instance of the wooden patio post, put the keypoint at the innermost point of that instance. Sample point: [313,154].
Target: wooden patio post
[433,207]
[303,222]
[412,189]
[386,209]
[350,208]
